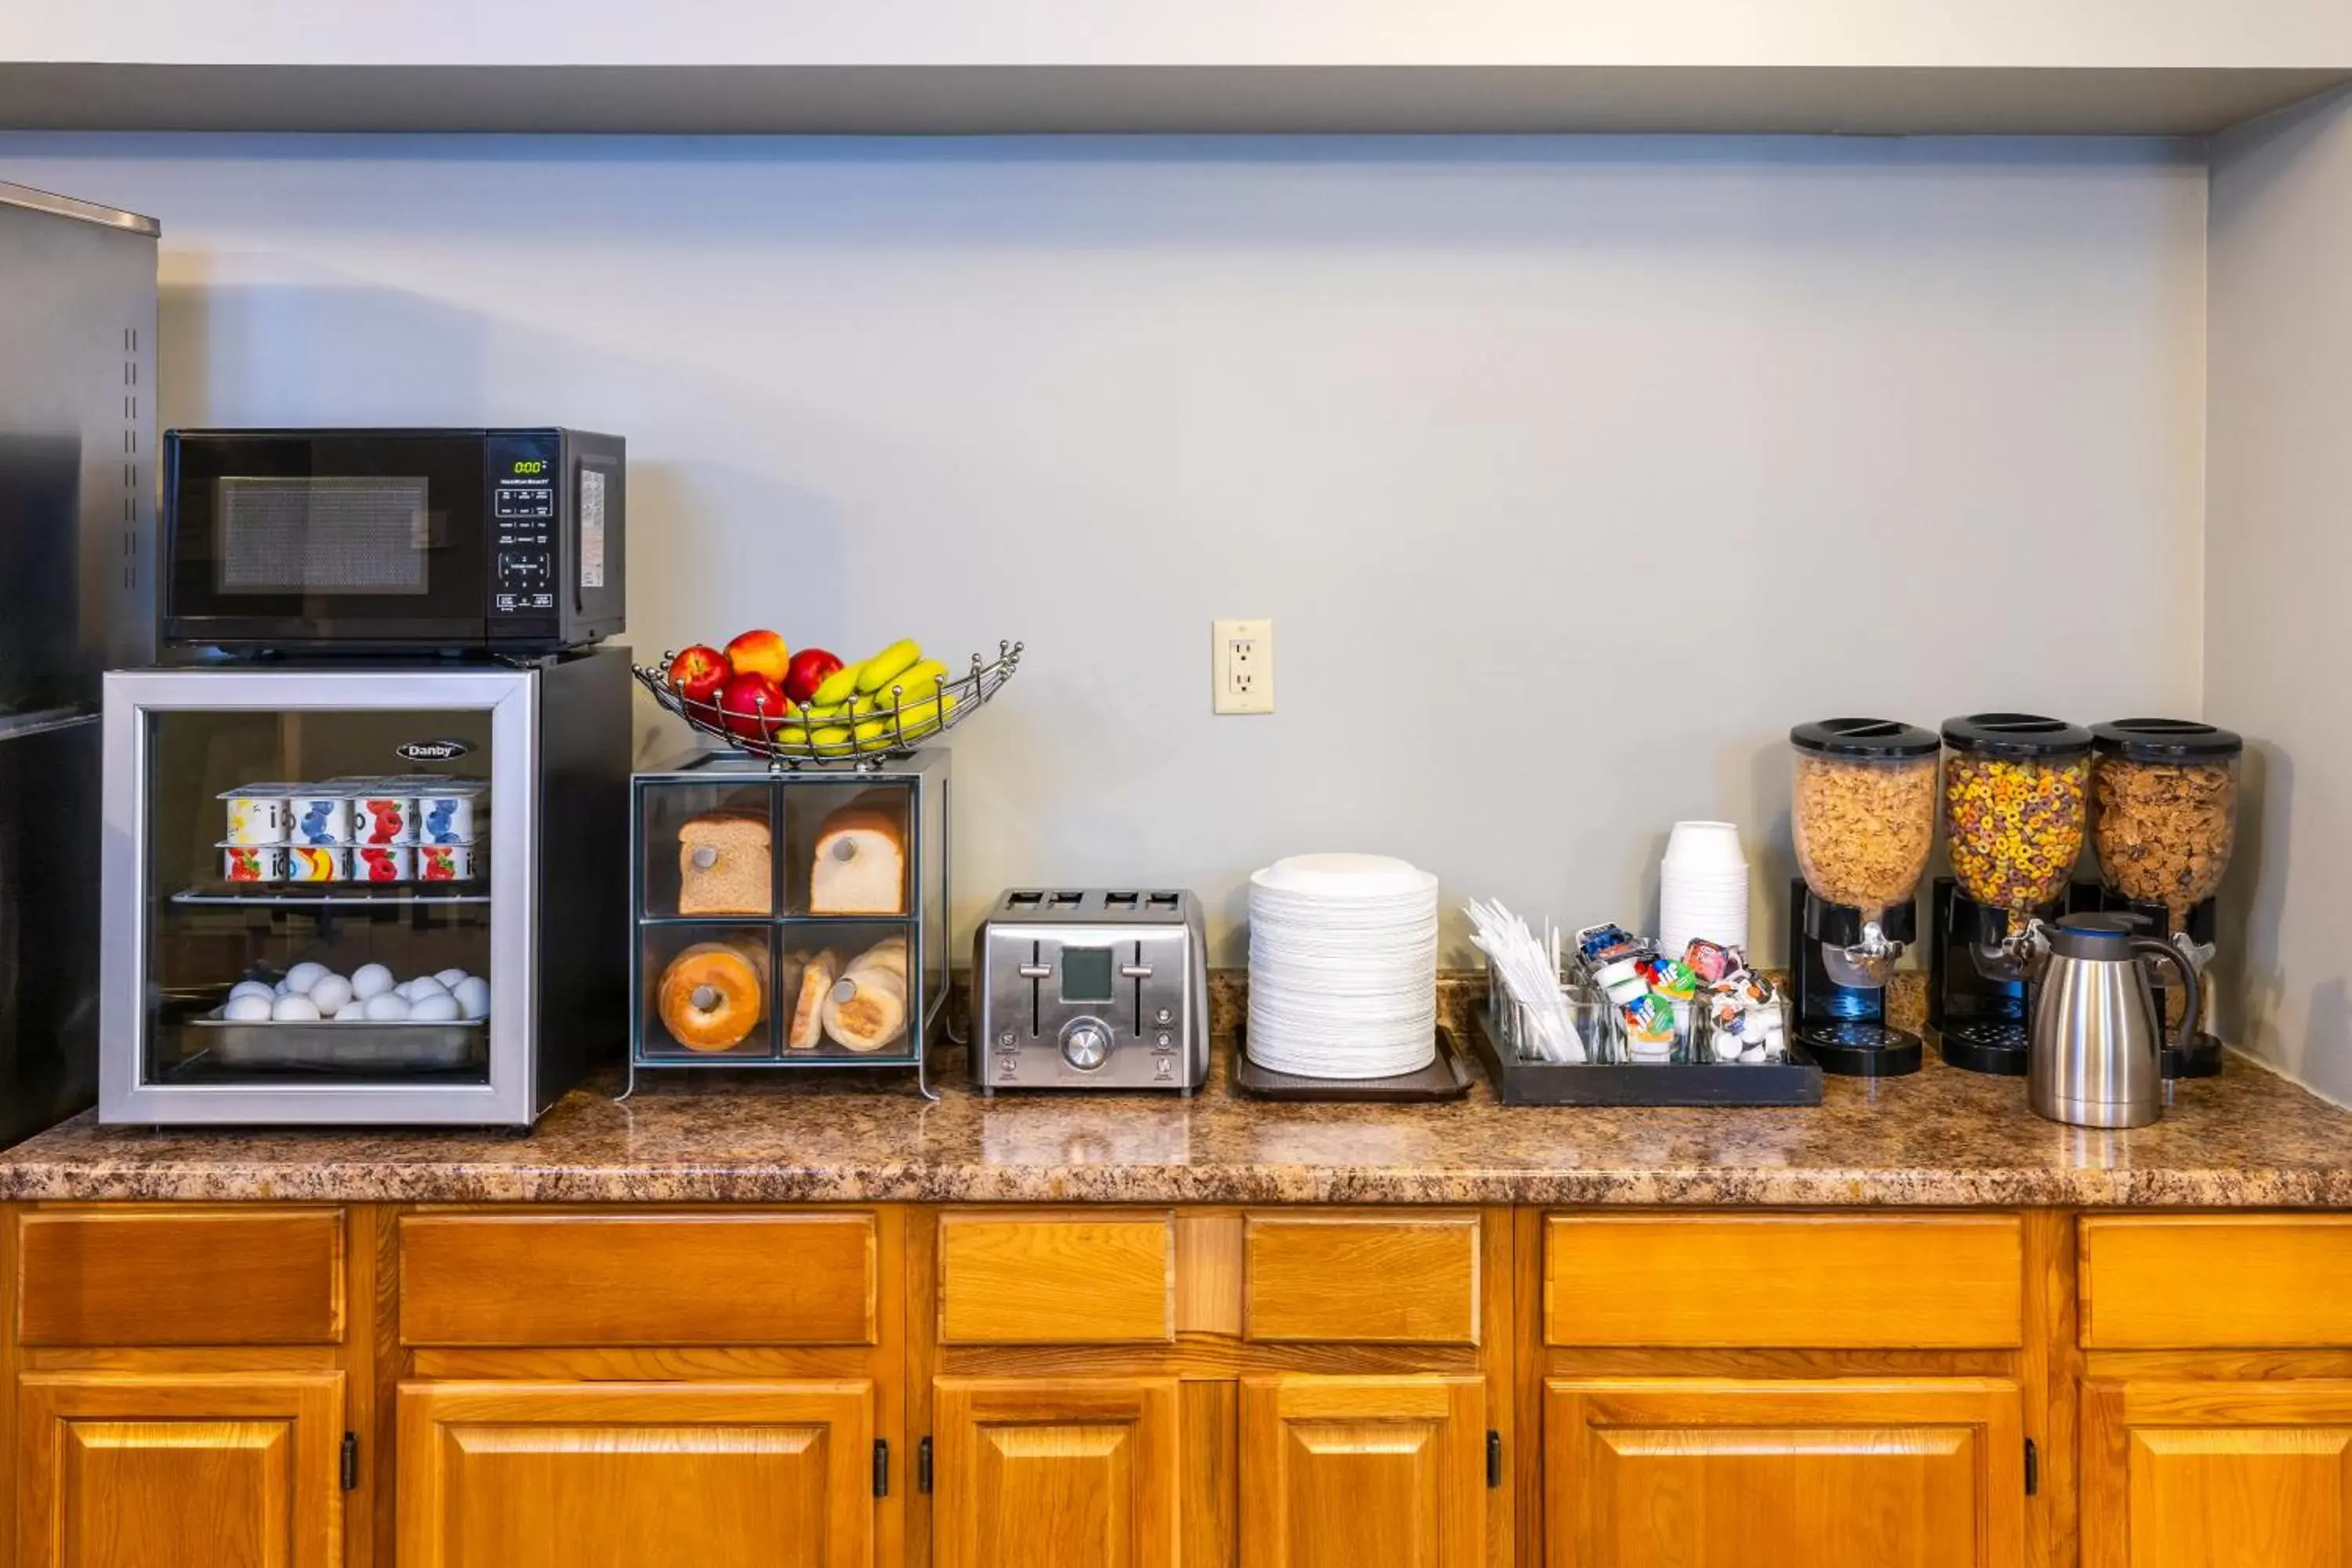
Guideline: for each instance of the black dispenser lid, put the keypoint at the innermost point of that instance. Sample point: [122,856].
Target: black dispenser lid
[1866,738]
[2027,735]
[2166,740]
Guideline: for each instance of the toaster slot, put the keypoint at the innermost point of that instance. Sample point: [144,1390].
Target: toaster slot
[1119,901]
[1170,902]
[1024,900]
[1065,900]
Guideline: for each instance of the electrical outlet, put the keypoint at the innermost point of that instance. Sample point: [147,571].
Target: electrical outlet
[1241,667]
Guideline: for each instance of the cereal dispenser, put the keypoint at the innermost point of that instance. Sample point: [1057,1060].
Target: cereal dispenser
[2164,820]
[2015,787]
[1863,813]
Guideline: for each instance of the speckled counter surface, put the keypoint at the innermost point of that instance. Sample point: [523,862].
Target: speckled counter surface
[1946,1137]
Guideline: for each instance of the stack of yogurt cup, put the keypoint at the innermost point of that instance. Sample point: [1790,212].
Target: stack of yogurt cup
[410,829]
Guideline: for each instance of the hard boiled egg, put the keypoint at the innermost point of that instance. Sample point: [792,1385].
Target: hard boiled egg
[384,1007]
[294,1010]
[248,1008]
[451,979]
[251,988]
[438,1008]
[330,993]
[303,976]
[371,979]
[473,994]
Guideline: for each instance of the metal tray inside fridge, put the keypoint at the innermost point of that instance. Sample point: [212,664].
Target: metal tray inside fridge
[379,1048]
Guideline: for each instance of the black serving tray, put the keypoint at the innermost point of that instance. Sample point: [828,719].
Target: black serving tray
[1447,1077]
[1797,1081]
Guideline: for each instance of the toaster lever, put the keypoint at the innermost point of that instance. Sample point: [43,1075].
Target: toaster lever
[1135,971]
[1036,971]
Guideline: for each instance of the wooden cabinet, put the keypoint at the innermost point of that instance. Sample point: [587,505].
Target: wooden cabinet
[2216,1474]
[184,1470]
[1362,1472]
[1845,1473]
[1055,1472]
[627,1475]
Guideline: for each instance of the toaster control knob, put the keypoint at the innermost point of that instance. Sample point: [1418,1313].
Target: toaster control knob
[1085,1045]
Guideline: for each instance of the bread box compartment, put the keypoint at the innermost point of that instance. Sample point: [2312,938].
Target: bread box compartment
[848,848]
[709,852]
[709,991]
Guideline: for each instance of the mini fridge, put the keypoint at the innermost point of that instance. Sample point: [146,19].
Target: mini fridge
[364,895]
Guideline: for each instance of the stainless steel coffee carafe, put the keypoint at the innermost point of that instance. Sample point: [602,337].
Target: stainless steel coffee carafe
[2095,1041]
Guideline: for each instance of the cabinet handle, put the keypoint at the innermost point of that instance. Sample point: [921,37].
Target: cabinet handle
[1493,1458]
[881,1467]
[923,1466]
[350,1462]
[2032,1469]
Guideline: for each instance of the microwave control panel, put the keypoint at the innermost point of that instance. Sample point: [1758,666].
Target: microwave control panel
[525,474]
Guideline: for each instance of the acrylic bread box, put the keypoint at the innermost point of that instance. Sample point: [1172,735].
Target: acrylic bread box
[789,920]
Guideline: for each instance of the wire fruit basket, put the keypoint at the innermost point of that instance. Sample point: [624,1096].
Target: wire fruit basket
[797,735]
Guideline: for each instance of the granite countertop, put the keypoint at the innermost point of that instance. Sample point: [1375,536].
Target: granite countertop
[2247,1138]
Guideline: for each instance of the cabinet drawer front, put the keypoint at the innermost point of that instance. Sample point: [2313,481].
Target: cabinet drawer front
[1785,1281]
[190,1276]
[1368,1280]
[637,1280]
[1008,1280]
[2219,1281]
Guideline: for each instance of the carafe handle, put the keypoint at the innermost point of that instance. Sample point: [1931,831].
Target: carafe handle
[2150,947]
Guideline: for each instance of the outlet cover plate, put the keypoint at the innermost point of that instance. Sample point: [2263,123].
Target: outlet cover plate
[1241,667]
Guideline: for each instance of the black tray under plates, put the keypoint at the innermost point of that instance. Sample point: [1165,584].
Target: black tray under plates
[1797,1081]
[1447,1077]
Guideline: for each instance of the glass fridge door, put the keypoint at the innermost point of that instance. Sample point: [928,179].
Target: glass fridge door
[322,896]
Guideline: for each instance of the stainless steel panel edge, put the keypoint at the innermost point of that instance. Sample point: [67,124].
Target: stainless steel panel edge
[510,1098]
[26,197]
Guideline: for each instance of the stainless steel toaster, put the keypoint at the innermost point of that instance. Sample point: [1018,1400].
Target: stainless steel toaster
[1093,988]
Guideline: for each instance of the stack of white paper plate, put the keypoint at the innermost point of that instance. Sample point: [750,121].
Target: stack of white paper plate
[1343,966]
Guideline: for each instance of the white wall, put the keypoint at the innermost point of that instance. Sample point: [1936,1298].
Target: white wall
[2278,556]
[2027,32]
[1573,471]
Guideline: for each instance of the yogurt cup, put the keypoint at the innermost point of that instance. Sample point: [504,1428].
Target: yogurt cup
[445,862]
[383,863]
[318,863]
[318,816]
[253,862]
[445,816]
[256,813]
[383,818]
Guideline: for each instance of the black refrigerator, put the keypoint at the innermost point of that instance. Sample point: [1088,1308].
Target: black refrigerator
[78,302]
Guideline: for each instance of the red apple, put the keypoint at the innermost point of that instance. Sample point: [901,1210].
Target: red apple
[698,673]
[753,705]
[761,653]
[807,672]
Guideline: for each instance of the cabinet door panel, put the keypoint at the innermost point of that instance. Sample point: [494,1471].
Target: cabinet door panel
[2217,1475]
[203,1470]
[1364,1472]
[1056,1473]
[1901,1473]
[522,1475]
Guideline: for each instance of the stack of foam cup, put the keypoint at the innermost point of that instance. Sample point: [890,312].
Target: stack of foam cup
[1703,886]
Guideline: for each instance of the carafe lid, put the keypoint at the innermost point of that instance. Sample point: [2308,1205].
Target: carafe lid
[2165,741]
[1876,738]
[2028,735]
[2102,937]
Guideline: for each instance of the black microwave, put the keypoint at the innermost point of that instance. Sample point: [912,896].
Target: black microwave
[392,540]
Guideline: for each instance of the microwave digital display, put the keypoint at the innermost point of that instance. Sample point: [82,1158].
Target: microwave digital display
[322,535]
